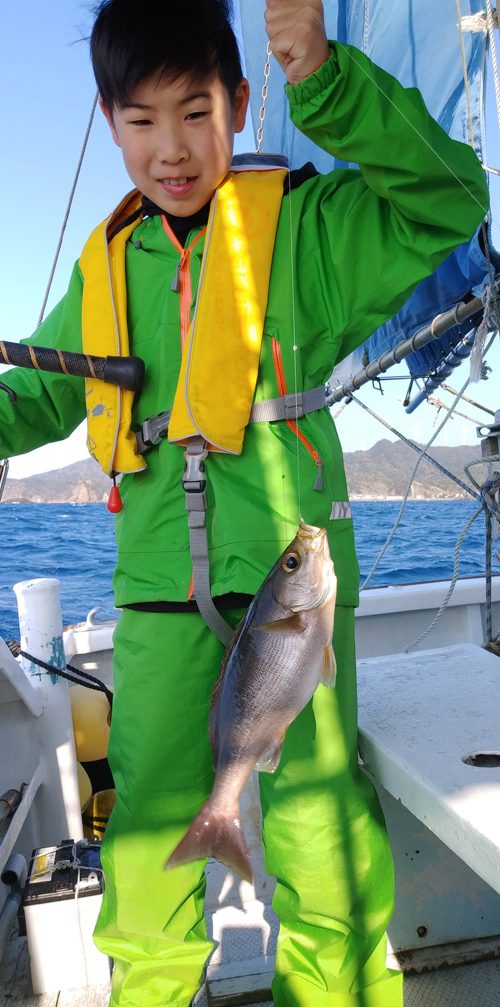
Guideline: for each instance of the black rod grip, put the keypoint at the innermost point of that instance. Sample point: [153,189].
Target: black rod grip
[126,372]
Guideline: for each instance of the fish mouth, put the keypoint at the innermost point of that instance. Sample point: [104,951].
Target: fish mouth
[312,538]
[310,531]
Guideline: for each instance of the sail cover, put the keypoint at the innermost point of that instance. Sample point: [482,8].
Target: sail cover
[419,42]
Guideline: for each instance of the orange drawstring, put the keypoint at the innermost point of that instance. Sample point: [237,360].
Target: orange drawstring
[183,276]
[280,378]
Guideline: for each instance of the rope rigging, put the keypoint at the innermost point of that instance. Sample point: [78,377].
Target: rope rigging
[422,452]
[439,405]
[488,494]
[466,398]
[489,489]
[68,210]
[72,674]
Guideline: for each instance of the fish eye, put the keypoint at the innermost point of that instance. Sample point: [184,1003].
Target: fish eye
[290,563]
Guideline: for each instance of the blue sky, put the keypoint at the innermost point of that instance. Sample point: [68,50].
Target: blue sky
[47,88]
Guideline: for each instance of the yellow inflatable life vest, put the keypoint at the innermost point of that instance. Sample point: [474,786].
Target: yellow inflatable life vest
[105,333]
[220,359]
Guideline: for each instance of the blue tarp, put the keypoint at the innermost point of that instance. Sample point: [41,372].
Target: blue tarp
[418,41]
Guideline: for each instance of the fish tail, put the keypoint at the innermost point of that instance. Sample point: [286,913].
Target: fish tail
[217,835]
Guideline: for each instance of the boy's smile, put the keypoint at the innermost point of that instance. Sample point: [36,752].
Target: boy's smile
[176,138]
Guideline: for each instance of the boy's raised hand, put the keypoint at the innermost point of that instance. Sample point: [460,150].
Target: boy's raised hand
[296,32]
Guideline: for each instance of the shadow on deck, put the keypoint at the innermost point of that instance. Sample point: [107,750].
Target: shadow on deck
[472,985]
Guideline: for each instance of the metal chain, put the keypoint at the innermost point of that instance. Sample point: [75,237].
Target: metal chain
[456,571]
[265,93]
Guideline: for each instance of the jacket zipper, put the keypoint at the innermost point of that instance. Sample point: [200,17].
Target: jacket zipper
[280,378]
[182,276]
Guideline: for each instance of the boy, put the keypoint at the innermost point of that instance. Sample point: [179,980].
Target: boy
[341,254]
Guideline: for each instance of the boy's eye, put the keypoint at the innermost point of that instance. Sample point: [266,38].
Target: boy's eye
[140,122]
[196,115]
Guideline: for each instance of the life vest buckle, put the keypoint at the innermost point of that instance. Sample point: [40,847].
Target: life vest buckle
[153,431]
[193,480]
[293,405]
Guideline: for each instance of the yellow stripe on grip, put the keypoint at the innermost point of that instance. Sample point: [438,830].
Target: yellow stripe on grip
[62,362]
[34,361]
[90,366]
[4,353]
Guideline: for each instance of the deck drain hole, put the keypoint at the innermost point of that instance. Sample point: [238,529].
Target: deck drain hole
[483,760]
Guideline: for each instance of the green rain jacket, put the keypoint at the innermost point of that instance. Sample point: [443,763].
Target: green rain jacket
[350,247]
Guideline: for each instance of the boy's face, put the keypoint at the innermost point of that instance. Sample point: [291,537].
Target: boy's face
[176,139]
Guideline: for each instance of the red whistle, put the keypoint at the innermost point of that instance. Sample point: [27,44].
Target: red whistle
[115,502]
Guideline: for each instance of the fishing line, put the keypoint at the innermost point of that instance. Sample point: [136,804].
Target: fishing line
[258,150]
[259,139]
[295,347]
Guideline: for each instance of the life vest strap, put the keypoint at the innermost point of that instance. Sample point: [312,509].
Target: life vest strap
[291,406]
[194,483]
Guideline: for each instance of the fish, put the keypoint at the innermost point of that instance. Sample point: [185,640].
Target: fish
[279,653]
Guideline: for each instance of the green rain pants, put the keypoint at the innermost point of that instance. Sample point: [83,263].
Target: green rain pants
[324,836]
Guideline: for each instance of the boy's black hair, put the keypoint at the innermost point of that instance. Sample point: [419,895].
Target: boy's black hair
[135,39]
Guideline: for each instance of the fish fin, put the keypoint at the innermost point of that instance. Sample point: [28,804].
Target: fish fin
[269,760]
[213,834]
[329,666]
[295,623]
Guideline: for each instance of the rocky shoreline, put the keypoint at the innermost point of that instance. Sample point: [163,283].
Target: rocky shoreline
[386,468]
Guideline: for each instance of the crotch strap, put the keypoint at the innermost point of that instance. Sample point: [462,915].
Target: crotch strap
[194,485]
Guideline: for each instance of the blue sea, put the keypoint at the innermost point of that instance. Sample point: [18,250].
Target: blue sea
[75,543]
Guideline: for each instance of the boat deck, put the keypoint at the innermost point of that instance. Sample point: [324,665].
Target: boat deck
[471,985]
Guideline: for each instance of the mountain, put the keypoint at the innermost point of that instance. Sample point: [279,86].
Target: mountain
[81,482]
[381,473]
[384,472]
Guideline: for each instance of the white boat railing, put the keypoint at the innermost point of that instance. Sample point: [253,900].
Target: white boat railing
[38,764]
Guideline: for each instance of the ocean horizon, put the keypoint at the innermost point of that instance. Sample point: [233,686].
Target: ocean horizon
[75,544]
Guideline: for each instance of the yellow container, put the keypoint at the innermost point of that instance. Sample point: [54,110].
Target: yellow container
[95,814]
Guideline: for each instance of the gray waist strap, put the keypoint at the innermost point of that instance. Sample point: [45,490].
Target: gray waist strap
[287,407]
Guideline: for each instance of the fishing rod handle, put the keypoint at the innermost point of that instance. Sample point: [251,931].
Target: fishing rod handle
[127,372]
